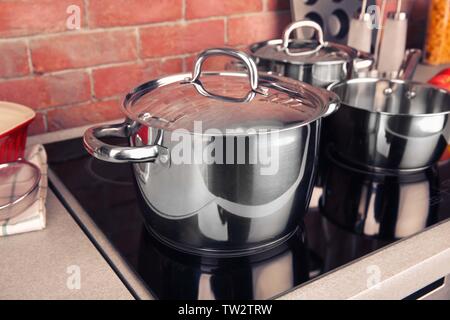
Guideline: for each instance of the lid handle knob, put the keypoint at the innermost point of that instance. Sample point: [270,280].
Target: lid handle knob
[249,63]
[302,24]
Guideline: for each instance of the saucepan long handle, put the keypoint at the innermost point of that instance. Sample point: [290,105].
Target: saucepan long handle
[409,64]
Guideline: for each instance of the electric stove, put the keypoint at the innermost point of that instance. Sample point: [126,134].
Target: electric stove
[347,228]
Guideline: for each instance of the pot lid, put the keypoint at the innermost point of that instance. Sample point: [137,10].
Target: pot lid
[299,51]
[220,103]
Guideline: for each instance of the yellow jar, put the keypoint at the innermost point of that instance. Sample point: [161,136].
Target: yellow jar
[438,34]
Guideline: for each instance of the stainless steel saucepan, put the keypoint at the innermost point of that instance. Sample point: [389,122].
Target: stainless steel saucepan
[315,61]
[224,161]
[392,125]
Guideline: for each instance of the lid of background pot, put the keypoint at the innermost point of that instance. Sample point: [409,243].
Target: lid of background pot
[227,102]
[299,51]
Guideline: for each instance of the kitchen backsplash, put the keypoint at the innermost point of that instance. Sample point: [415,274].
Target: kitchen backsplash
[73,77]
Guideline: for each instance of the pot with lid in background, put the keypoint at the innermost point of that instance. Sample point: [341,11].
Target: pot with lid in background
[224,161]
[313,61]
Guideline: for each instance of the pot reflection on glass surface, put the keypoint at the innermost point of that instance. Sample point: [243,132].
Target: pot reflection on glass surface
[184,276]
[384,205]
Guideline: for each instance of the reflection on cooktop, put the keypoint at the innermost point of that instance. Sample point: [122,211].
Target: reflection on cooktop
[386,206]
[175,275]
[107,193]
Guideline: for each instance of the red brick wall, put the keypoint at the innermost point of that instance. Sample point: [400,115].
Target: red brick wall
[76,77]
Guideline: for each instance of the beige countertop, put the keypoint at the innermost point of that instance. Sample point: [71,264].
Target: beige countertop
[43,264]
[35,265]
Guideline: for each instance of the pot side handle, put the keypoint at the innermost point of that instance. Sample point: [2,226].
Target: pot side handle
[334,102]
[117,154]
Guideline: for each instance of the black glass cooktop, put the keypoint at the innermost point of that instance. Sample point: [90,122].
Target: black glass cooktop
[358,214]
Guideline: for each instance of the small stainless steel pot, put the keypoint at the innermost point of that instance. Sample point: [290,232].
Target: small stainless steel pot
[315,61]
[391,125]
[233,205]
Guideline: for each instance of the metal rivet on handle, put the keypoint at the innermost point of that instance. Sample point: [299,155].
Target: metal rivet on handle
[388,91]
[411,94]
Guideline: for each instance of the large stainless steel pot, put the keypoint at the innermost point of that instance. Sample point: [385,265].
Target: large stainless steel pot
[224,201]
[314,61]
[391,125]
